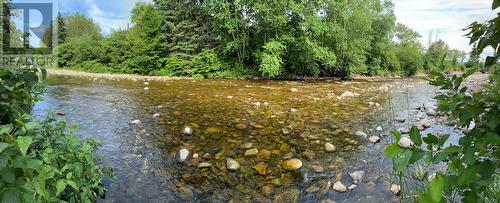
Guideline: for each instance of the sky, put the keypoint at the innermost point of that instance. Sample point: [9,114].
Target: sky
[445,18]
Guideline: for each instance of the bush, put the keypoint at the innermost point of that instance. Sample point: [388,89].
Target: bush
[42,161]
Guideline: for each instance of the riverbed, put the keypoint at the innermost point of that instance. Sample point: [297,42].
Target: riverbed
[142,122]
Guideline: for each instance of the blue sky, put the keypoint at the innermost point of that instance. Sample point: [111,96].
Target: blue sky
[445,18]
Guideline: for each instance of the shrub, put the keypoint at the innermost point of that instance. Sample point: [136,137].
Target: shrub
[41,161]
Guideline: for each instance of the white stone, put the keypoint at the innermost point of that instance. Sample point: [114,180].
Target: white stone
[251,152]
[183,155]
[187,131]
[374,139]
[379,128]
[400,119]
[406,142]
[352,187]
[146,88]
[156,115]
[348,94]
[395,189]
[339,187]
[383,88]
[431,112]
[431,177]
[361,134]
[329,147]
[136,122]
[232,164]
[204,165]
[294,90]
[195,156]
[146,83]
[357,176]
[292,110]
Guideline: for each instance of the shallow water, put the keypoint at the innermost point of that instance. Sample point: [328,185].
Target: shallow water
[282,119]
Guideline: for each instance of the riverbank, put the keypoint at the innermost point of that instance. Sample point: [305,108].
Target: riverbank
[111,76]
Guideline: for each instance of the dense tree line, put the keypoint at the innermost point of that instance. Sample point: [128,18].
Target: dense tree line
[272,39]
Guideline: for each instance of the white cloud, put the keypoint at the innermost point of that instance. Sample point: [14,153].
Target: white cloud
[446,18]
[109,20]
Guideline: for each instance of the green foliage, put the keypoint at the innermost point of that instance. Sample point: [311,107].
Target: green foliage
[41,161]
[19,90]
[272,62]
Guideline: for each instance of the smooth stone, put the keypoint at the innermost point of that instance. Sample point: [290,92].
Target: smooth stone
[379,128]
[292,164]
[328,201]
[204,165]
[431,112]
[361,134]
[317,168]
[251,152]
[357,176]
[261,168]
[156,115]
[292,110]
[403,130]
[136,122]
[406,142]
[187,131]
[241,126]
[395,189]
[213,130]
[400,119]
[329,147]
[425,123]
[294,90]
[195,156]
[374,139]
[232,164]
[247,145]
[339,187]
[183,155]
[146,88]
[352,187]
[383,88]
[348,94]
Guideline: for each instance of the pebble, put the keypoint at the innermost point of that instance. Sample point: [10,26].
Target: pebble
[406,142]
[348,94]
[395,189]
[146,88]
[204,165]
[379,128]
[183,154]
[188,131]
[329,147]
[431,112]
[136,122]
[241,126]
[232,164]
[374,139]
[251,152]
[247,145]
[195,156]
[294,90]
[339,187]
[156,115]
[361,134]
[292,110]
[425,123]
[357,176]
[317,168]
[292,164]
[352,187]
[403,130]
[400,119]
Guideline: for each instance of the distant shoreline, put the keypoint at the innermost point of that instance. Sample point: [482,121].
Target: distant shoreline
[67,72]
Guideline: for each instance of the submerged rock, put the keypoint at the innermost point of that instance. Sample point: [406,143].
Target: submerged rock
[357,176]
[247,145]
[232,164]
[251,152]
[317,168]
[187,131]
[136,122]
[183,155]
[374,139]
[261,168]
[352,187]
[241,126]
[431,112]
[339,187]
[329,147]
[400,119]
[395,189]
[406,142]
[292,164]
[204,165]
[379,128]
[361,134]
[156,115]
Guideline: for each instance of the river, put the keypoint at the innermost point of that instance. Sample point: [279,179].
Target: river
[281,119]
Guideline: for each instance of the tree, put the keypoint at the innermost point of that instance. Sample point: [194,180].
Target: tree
[62,32]
[436,56]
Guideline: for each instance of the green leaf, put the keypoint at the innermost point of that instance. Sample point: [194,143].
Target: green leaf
[496,4]
[402,160]
[431,139]
[435,191]
[11,195]
[60,186]
[467,176]
[5,129]
[44,73]
[469,157]
[72,184]
[416,155]
[3,146]
[415,136]
[8,175]
[24,142]
[397,134]
[392,150]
